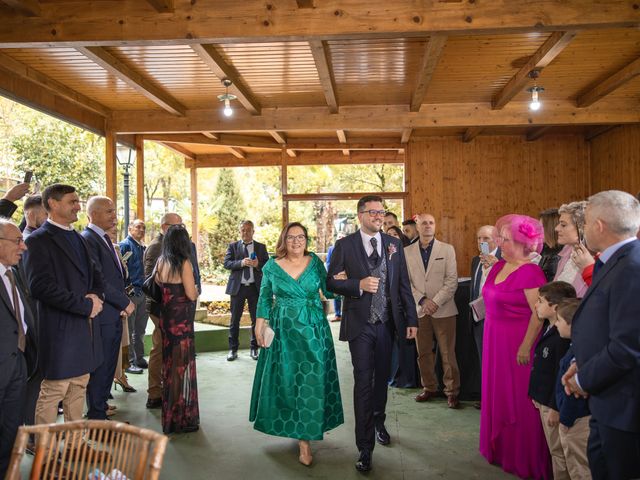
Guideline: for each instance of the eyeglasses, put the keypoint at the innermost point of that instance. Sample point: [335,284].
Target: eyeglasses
[177,225]
[17,241]
[375,213]
[300,238]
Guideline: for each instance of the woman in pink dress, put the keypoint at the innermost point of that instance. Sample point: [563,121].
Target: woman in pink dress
[511,434]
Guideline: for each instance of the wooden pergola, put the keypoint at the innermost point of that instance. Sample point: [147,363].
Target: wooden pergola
[439,85]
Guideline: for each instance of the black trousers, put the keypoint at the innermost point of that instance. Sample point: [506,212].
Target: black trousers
[613,454]
[12,394]
[101,378]
[371,360]
[250,294]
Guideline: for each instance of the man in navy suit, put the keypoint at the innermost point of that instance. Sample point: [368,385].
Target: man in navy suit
[67,286]
[245,258]
[606,337]
[368,268]
[16,342]
[102,217]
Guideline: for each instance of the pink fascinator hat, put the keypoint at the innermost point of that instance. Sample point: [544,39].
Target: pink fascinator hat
[524,230]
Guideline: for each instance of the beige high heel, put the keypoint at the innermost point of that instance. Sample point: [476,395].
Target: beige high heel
[305,457]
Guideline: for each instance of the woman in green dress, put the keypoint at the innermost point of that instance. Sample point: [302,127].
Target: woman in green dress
[296,393]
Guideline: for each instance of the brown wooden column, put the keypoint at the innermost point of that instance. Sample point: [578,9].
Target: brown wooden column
[140,200]
[111,165]
[283,188]
[194,207]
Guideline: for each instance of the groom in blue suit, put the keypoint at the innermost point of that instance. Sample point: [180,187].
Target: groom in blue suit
[368,268]
[606,338]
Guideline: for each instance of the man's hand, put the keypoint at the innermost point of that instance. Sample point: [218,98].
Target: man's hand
[554,418]
[570,384]
[247,262]
[17,192]
[340,275]
[369,284]
[96,308]
[130,309]
[429,307]
[488,260]
[412,332]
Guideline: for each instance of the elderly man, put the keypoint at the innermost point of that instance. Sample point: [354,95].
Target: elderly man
[34,214]
[434,280]
[16,342]
[102,218]
[151,255]
[605,337]
[133,246]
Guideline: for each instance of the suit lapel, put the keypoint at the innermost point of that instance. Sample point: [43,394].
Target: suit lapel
[385,258]
[435,251]
[103,245]
[5,297]
[63,245]
[364,260]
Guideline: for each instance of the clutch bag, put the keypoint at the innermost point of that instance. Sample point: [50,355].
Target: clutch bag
[267,335]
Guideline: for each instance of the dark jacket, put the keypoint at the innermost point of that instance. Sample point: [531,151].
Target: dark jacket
[349,255]
[546,362]
[7,208]
[570,407]
[69,344]
[135,263]
[233,261]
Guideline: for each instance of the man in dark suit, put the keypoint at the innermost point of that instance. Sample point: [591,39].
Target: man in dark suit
[245,258]
[16,342]
[102,217]
[368,268]
[67,286]
[606,337]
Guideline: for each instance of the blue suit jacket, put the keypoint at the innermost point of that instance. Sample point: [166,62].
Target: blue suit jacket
[349,255]
[69,345]
[115,298]
[605,337]
[233,261]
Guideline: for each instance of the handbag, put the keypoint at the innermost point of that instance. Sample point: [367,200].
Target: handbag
[151,289]
[268,334]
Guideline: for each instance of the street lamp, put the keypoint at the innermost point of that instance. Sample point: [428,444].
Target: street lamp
[125,152]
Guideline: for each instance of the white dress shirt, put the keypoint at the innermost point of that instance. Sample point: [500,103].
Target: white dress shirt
[7,286]
[366,242]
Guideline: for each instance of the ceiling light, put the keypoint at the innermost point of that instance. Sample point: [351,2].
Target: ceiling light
[535,91]
[227,97]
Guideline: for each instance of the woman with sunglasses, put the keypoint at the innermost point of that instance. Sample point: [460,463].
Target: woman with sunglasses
[296,393]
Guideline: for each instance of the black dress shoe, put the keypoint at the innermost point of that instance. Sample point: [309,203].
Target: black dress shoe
[382,436]
[154,402]
[254,353]
[364,461]
[231,356]
[142,363]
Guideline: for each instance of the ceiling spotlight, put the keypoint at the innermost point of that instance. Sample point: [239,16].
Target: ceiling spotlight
[535,91]
[227,97]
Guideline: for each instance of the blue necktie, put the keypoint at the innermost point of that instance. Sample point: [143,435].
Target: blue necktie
[246,273]
[598,265]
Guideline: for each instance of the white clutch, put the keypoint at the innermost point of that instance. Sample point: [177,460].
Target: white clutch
[267,335]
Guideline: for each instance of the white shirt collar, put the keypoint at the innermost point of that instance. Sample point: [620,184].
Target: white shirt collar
[366,241]
[59,225]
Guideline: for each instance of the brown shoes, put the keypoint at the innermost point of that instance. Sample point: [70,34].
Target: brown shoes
[424,396]
[452,401]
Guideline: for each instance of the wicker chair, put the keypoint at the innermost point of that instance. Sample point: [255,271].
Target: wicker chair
[84,450]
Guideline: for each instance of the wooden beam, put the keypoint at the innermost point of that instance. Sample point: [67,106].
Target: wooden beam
[278,137]
[534,134]
[611,83]
[30,8]
[340,195]
[162,6]
[30,93]
[292,153]
[597,131]
[236,152]
[471,133]
[224,140]
[111,166]
[342,137]
[193,183]
[352,145]
[221,69]
[432,54]
[320,53]
[210,135]
[381,117]
[140,198]
[179,149]
[138,82]
[128,22]
[406,135]
[549,50]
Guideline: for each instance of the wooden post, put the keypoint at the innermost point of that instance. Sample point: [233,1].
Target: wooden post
[407,211]
[111,164]
[139,140]
[283,188]
[194,208]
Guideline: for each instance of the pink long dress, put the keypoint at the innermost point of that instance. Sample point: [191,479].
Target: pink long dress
[511,434]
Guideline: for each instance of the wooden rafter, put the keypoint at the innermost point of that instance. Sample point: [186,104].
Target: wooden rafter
[536,133]
[383,117]
[179,149]
[132,78]
[163,6]
[211,135]
[223,139]
[432,54]
[236,152]
[597,131]
[26,72]
[30,8]
[221,69]
[128,23]
[342,137]
[612,83]
[320,53]
[406,135]
[471,133]
[278,137]
[549,50]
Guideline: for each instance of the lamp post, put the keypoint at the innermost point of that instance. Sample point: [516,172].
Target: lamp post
[121,151]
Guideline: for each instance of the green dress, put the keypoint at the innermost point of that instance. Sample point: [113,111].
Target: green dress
[296,393]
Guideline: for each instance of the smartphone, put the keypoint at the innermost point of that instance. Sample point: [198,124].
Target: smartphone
[580,236]
[484,248]
[28,175]
[252,256]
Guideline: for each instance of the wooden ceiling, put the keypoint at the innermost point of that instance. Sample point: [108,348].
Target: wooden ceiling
[316,77]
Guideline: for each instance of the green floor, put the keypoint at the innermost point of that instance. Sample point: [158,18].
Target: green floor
[428,440]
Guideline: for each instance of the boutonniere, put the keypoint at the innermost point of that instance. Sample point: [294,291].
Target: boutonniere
[391,249]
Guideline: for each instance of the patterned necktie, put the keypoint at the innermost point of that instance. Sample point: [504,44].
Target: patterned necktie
[374,255]
[16,309]
[246,272]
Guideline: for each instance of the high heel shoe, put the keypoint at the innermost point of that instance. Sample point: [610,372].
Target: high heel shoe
[124,385]
[305,456]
